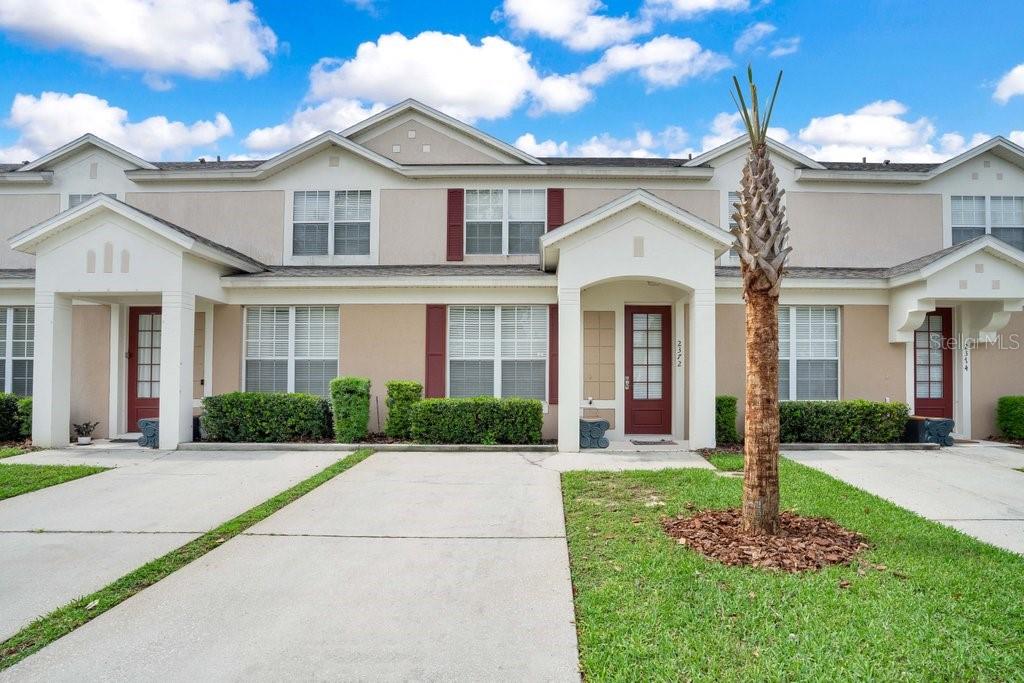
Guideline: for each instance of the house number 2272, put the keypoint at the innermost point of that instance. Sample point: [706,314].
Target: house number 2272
[679,353]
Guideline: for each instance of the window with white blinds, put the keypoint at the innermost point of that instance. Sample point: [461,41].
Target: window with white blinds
[76,199]
[323,228]
[291,348]
[808,353]
[505,221]
[1008,220]
[17,346]
[498,351]
[1002,217]
[968,218]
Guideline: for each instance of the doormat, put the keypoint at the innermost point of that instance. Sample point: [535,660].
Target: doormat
[658,442]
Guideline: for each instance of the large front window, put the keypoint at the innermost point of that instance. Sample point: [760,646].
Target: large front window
[1000,216]
[326,223]
[498,351]
[491,229]
[291,348]
[808,353]
[17,346]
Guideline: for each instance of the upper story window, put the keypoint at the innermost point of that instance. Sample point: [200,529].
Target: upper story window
[1002,217]
[76,199]
[505,221]
[808,353]
[734,198]
[17,348]
[291,348]
[498,351]
[322,227]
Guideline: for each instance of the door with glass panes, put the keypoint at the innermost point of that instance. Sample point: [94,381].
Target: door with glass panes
[648,380]
[143,364]
[933,365]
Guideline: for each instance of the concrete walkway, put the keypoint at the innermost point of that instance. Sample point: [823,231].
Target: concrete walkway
[973,487]
[65,541]
[410,566]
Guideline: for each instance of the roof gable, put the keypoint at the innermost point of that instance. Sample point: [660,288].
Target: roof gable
[465,133]
[773,145]
[926,266]
[76,145]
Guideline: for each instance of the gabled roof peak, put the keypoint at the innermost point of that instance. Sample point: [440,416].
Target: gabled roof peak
[78,143]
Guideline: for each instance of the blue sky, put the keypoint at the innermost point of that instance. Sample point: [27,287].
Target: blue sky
[177,79]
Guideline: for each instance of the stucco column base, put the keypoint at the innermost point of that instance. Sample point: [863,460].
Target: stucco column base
[176,349]
[51,402]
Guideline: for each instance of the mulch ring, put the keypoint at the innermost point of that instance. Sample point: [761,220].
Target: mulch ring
[803,543]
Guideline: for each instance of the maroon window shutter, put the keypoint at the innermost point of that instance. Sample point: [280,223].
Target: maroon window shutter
[553,354]
[437,323]
[556,208]
[456,214]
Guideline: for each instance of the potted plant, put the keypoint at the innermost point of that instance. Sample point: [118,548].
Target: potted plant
[84,432]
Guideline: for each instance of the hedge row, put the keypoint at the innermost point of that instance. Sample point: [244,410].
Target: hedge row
[243,416]
[855,421]
[402,397]
[350,399]
[1010,416]
[477,420]
[725,421]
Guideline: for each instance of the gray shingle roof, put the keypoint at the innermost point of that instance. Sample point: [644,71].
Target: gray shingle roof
[17,273]
[207,165]
[4,168]
[399,271]
[805,272]
[922,261]
[876,166]
[625,162]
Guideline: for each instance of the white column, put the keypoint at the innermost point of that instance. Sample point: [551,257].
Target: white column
[176,350]
[208,350]
[570,350]
[51,386]
[702,369]
[115,392]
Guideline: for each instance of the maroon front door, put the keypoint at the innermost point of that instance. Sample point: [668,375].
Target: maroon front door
[143,364]
[648,382]
[933,365]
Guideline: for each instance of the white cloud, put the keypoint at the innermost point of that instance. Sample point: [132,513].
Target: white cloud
[308,122]
[670,142]
[1010,85]
[157,82]
[1017,136]
[199,38]
[752,35]
[573,22]
[687,9]
[661,62]
[878,124]
[786,46]
[52,119]
[469,81]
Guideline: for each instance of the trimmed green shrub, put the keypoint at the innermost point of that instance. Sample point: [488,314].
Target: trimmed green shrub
[402,395]
[25,416]
[244,416]
[10,424]
[855,421]
[350,400]
[725,420]
[481,420]
[1010,416]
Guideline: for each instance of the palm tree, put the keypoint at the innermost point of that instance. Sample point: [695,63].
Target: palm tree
[762,234]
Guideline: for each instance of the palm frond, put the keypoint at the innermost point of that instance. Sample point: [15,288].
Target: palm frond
[756,125]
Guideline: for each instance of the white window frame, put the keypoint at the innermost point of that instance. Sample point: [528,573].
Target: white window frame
[87,195]
[731,257]
[990,210]
[504,218]
[291,343]
[497,353]
[792,358]
[987,223]
[8,348]
[330,258]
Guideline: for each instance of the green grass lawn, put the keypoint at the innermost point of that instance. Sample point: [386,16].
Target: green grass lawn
[16,479]
[9,451]
[727,462]
[928,603]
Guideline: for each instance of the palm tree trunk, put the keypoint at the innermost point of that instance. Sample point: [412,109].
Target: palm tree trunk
[761,416]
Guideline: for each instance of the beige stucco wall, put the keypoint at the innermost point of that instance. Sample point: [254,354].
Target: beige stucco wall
[250,221]
[730,363]
[703,203]
[996,370]
[870,366]
[444,149]
[383,342]
[18,212]
[90,367]
[227,348]
[413,226]
[866,230]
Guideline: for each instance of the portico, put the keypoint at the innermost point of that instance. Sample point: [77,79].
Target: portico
[636,320]
[107,253]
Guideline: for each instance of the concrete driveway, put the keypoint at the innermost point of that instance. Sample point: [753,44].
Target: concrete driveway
[974,487]
[410,566]
[65,541]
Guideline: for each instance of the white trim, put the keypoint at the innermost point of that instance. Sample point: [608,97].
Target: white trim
[792,357]
[742,140]
[291,358]
[27,178]
[78,143]
[411,105]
